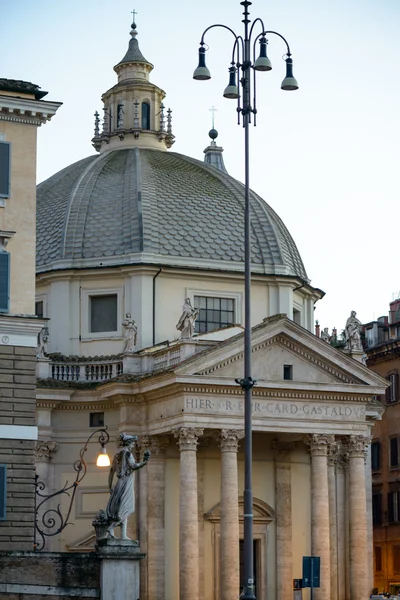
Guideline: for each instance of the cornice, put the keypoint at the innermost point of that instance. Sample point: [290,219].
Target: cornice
[26,110]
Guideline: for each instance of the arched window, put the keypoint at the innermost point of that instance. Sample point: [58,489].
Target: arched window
[145,115]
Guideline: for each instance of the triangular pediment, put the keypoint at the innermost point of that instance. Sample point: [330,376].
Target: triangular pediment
[276,342]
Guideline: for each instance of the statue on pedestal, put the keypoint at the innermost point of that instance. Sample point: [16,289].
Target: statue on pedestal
[122,497]
[352,333]
[130,333]
[325,335]
[43,339]
[187,320]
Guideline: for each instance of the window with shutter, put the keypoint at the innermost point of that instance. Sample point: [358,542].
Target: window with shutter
[377,508]
[393,507]
[396,559]
[392,391]
[4,282]
[394,454]
[3,491]
[375,456]
[5,163]
[378,558]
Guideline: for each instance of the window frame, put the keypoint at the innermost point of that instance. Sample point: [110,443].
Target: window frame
[377,455]
[42,298]
[376,508]
[6,309]
[391,452]
[392,392]
[86,295]
[289,370]
[6,195]
[393,505]
[236,296]
[148,109]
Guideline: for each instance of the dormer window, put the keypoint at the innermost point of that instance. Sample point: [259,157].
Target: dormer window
[145,115]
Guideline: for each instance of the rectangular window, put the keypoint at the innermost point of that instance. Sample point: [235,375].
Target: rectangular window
[214,313]
[394,452]
[378,558]
[96,419]
[39,309]
[4,282]
[103,313]
[375,456]
[377,508]
[288,372]
[392,390]
[3,492]
[5,164]
[393,507]
[396,559]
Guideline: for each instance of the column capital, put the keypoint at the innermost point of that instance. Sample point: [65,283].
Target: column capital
[188,437]
[155,443]
[318,444]
[229,439]
[282,450]
[357,446]
[45,450]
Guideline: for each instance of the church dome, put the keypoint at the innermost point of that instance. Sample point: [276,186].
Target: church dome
[141,205]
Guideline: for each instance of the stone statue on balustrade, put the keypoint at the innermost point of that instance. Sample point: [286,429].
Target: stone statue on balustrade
[325,335]
[130,333]
[352,333]
[122,496]
[43,339]
[187,320]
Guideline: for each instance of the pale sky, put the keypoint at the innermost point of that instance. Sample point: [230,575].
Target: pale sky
[324,157]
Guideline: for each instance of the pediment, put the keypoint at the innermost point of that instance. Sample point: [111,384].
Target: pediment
[276,342]
[262,512]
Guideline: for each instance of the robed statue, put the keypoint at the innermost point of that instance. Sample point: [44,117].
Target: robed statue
[187,320]
[352,333]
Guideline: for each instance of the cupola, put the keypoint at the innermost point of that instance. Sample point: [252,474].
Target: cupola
[133,111]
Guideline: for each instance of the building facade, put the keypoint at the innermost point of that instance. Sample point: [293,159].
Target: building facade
[125,238]
[22,111]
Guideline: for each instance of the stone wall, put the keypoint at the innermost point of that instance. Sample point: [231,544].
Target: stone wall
[49,576]
[17,409]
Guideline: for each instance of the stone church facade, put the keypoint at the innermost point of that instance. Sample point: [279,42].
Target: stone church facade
[119,238]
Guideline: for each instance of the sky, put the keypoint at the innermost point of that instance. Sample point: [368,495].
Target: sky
[324,157]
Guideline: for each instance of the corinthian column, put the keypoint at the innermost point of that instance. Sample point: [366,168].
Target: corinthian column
[188,516]
[320,527]
[332,459]
[283,505]
[358,539]
[229,534]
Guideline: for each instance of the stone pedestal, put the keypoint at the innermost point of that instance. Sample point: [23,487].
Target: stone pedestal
[43,368]
[119,570]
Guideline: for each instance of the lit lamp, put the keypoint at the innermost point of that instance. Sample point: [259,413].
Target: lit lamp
[242,88]
[103,460]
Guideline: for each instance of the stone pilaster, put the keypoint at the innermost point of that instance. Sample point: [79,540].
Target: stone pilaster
[320,526]
[358,532]
[332,459]
[283,503]
[155,563]
[188,513]
[341,520]
[229,533]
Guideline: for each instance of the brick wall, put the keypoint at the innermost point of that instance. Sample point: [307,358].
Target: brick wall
[17,407]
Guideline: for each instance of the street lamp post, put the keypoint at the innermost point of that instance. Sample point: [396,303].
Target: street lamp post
[51,522]
[244,61]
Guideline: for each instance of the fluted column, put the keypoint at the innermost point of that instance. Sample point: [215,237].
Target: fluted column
[358,535]
[155,516]
[188,515]
[332,459]
[283,506]
[229,532]
[320,527]
[341,502]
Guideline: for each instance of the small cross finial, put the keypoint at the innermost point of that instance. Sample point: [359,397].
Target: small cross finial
[134,13]
[213,110]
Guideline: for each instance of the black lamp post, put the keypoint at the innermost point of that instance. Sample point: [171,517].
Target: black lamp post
[244,61]
[51,522]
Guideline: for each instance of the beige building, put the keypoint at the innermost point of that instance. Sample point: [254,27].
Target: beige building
[22,111]
[132,233]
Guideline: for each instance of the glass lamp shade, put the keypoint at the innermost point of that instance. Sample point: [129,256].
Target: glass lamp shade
[103,460]
[263,63]
[201,73]
[231,91]
[289,83]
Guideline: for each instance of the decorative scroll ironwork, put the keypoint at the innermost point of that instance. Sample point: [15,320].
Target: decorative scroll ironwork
[52,521]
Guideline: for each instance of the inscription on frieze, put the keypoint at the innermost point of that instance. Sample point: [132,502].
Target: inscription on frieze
[277,408]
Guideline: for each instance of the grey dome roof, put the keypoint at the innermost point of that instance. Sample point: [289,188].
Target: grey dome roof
[134,205]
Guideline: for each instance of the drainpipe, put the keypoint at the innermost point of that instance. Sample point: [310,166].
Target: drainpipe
[154,305]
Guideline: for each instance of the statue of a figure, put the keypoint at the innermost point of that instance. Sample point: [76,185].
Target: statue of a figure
[122,500]
[130,333]
[325,335]
[352,332]
[43,339]
[187,319]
